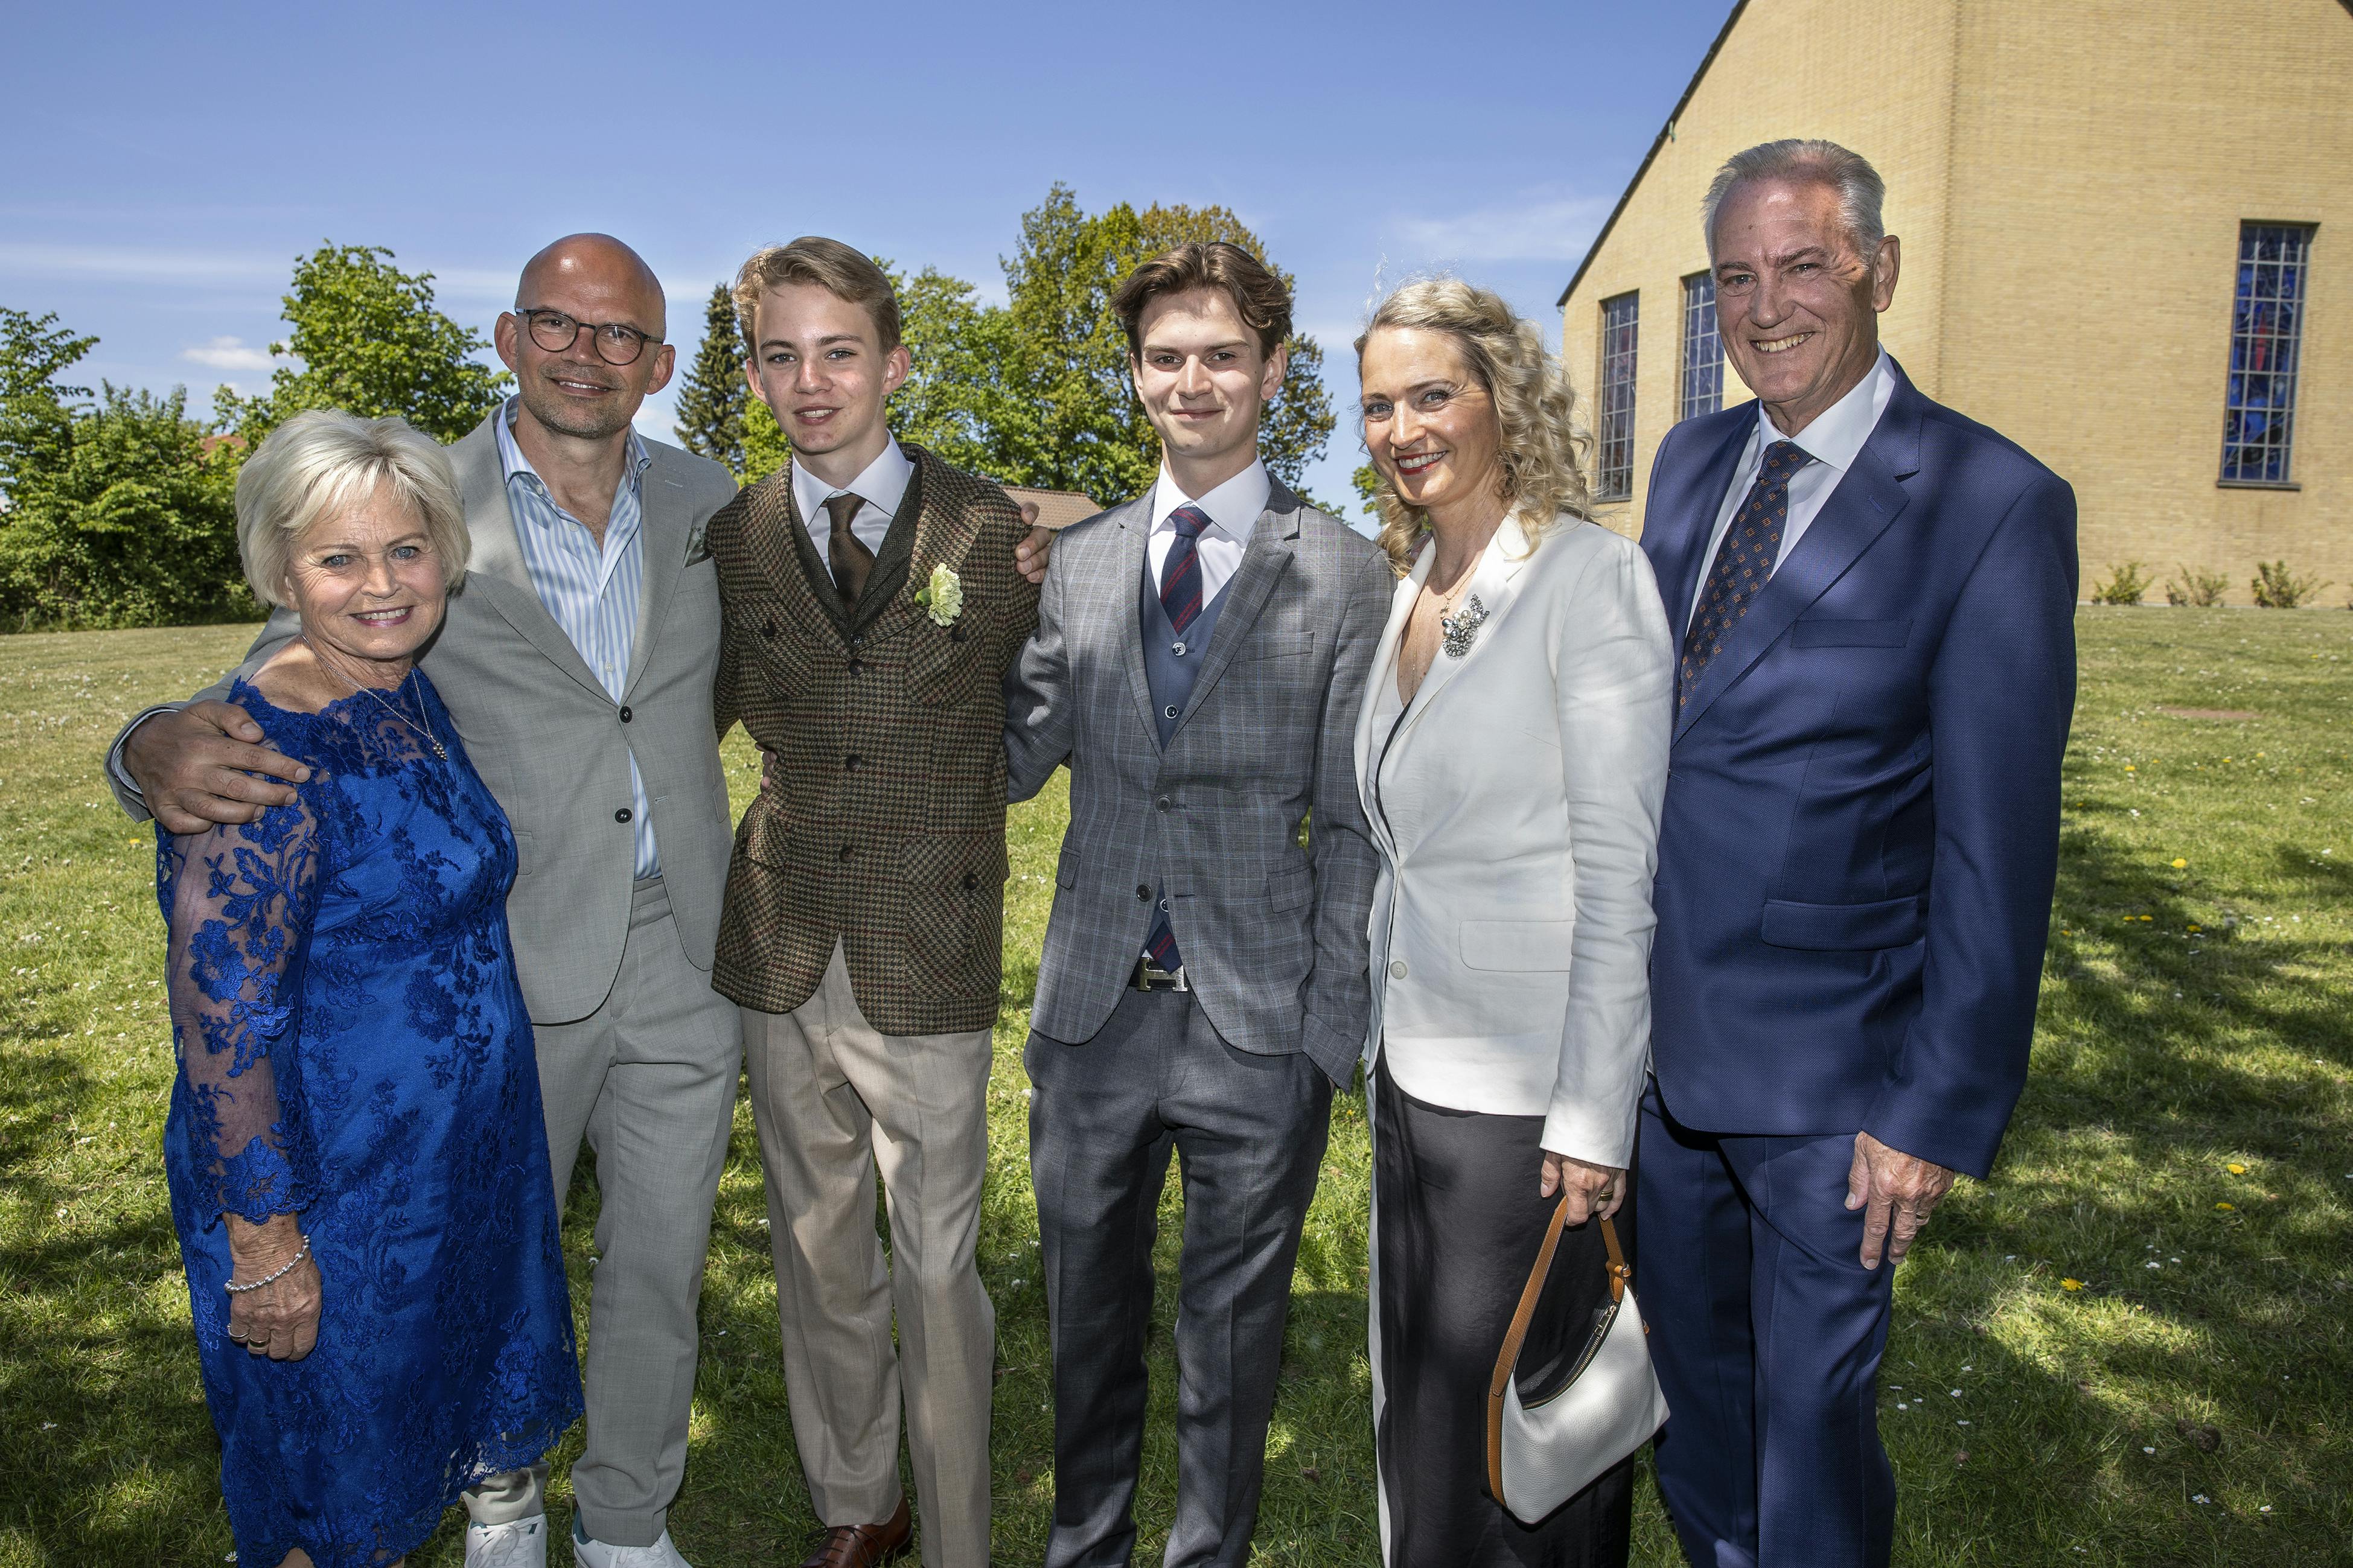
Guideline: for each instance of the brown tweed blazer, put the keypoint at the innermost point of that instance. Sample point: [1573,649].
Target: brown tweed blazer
[880,815]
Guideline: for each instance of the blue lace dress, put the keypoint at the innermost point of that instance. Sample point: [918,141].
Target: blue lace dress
[353,1049]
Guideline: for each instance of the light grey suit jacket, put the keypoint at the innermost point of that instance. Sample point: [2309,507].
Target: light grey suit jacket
[555,749]
[1273,936]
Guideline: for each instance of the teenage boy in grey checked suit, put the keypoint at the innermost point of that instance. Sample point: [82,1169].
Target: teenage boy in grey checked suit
[1199,657]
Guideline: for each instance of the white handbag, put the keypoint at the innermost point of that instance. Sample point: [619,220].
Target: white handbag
[1542,1454]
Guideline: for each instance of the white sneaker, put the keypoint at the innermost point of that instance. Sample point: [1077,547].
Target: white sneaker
[597,1554]
[520,1544]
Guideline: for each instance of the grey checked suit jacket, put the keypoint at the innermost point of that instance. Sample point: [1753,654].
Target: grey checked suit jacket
[555,749]
[1273,936]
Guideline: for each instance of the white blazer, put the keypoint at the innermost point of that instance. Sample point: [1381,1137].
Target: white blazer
[1515,804]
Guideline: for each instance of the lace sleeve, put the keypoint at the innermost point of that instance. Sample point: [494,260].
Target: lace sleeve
[242,900]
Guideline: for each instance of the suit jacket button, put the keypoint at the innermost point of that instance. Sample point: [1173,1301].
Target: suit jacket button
[1163,803]
[971,880]
[1396,969]
[849,763]
[623,814]
[625,713]
[768,627]
[856,668]
[1142,893]
[845,851]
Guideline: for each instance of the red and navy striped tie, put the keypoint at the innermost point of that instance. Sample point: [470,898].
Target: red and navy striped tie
[1180,573]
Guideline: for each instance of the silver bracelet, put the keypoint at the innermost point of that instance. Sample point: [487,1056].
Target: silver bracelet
[234,1288]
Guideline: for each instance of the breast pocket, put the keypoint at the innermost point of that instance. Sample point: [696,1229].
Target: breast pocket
[1823,632]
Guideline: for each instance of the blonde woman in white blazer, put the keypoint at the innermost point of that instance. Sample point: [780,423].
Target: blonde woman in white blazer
[1512,755]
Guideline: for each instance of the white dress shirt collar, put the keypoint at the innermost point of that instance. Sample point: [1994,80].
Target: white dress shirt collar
[882,485]
[1233,508]
[1837,434]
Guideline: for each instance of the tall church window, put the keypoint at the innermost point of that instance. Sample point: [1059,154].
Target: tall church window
[1616,475]
[2266,329]
[1703,348]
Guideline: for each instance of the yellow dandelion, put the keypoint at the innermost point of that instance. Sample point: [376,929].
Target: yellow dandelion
[2182,865]
[2071,1284]
[2228,1208]
[2195,929]
[2235,1168]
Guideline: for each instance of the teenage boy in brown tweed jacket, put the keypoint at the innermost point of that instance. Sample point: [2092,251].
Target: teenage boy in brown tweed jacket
[872,603]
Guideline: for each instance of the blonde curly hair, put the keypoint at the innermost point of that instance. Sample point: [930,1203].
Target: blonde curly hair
[1544,453]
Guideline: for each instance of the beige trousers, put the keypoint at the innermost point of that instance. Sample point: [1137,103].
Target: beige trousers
[834,1099]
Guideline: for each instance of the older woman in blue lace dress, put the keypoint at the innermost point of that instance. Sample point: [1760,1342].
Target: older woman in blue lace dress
[357,1158]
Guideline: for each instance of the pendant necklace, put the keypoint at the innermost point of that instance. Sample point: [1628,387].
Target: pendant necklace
[385,702]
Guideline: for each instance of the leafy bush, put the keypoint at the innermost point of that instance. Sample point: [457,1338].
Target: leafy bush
[114,512]
[2197,587]
[2125,585]
[2278,587]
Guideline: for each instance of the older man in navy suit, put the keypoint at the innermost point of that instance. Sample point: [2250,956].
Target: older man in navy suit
[1873,599]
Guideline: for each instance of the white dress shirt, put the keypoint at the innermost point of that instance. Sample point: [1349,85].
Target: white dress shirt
[591,587]
[1233,510]
[1833,440]
[883,486]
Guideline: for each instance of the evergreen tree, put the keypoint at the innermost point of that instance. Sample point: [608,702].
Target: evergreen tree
[711,401]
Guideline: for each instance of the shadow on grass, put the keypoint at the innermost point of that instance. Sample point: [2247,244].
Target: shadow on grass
[107,1428]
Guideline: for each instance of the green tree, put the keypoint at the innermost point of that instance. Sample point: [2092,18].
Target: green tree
[113,511]
[1073,421]
[711,401]
[1367,483]
[370,341]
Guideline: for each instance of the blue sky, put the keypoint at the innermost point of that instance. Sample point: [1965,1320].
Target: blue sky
[171,160]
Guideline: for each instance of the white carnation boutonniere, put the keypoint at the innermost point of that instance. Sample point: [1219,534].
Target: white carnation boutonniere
[941,598]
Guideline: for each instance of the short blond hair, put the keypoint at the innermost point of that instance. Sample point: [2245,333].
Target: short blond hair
[324,462]
[840,270]
[1543,451]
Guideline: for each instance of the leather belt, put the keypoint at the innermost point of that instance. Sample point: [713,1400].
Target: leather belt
[1150,976]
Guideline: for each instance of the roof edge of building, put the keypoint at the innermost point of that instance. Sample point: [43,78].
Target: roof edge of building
[1657,141]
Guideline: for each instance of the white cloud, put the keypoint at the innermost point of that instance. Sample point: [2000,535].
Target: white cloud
[139,264]
[229,353]
[1554,229]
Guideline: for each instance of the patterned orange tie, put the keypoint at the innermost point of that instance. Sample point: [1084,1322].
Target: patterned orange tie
[845,552]
[1743,564]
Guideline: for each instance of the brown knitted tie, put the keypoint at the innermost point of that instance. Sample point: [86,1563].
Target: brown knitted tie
[845,552]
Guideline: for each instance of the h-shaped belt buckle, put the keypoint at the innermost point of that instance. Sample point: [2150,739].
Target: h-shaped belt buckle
[1150,976]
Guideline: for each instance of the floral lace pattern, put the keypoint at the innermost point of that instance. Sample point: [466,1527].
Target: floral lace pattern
[353,1047]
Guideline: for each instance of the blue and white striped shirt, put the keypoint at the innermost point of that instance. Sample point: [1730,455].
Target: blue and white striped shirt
[593,593]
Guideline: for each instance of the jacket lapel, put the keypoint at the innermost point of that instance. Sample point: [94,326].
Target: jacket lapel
[1384,668]
[1134,535]
[1680,552]
[779,547]
[664,531]
[1264,559]
[1870,496]
[1495,583]
[496,570]
[942,536]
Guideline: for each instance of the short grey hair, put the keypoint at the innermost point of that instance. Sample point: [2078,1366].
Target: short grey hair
[324,462]
[1859,189]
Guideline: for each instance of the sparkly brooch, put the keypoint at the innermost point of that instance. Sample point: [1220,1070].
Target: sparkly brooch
[1461,629]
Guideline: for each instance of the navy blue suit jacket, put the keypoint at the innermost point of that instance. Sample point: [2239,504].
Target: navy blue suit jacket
[1862,819]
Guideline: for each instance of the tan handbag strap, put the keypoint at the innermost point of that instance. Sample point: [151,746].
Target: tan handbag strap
[1525,1314]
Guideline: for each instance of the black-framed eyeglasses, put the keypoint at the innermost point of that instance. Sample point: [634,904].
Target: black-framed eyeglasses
[617,342]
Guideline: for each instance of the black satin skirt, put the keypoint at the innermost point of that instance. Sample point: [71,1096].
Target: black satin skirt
[1457,1226]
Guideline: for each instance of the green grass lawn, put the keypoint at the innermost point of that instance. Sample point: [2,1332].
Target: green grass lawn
[2131,1347]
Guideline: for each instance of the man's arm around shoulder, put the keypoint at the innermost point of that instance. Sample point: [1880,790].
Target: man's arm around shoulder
[194,765]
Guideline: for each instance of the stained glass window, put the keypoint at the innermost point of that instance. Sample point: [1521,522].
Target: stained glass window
[2267,328]
[1616,475]
[1703,348]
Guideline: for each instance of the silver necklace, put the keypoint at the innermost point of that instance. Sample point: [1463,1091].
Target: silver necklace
[386,703]
[1458,628]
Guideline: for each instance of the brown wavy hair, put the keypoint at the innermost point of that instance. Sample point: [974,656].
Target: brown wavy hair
[1259,297]
[1544,453]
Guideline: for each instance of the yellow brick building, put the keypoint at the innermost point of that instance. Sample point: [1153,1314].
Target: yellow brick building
[2126,225]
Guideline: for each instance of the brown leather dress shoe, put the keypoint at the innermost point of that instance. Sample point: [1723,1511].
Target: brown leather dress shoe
[863,1545]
